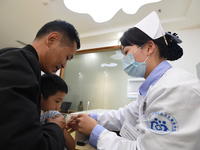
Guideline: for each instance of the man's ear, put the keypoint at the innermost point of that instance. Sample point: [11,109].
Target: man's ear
[52,38]
[151,47]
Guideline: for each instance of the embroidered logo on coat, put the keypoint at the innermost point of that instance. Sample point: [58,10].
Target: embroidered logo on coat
[162,123]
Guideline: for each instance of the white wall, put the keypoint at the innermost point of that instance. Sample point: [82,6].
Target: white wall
[191,50]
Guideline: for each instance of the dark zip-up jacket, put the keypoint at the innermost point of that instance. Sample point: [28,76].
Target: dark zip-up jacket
[20,104]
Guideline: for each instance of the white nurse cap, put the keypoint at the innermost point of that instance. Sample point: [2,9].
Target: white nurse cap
[152,27]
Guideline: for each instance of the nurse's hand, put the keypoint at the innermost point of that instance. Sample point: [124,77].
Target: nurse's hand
[85,123]
[71,124]
[60,120]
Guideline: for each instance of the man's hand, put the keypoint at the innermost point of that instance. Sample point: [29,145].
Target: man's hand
[60,120]
[71,124]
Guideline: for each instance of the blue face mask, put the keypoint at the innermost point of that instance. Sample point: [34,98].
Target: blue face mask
[133,68]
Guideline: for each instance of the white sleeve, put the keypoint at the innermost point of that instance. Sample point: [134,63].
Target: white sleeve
[110,141]
[114,119]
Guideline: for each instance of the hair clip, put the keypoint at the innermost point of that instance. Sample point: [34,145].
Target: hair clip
[165,39]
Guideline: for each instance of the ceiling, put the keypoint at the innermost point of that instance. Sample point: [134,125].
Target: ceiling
[21,19]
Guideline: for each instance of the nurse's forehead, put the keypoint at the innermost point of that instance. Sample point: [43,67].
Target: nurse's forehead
[125,48]
[122,49]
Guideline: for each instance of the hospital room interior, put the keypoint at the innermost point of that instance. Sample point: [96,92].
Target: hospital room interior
[95,77]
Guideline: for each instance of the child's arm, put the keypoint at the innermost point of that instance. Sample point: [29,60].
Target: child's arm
[69,141]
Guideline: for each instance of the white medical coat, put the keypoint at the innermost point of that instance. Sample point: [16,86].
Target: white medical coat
[171,119]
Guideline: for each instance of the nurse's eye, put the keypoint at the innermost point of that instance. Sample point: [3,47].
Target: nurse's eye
[125,52]
[57,101]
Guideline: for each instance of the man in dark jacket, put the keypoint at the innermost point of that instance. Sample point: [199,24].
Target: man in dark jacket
[20,72]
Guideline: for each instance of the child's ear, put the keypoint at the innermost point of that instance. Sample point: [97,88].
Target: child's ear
[42,98]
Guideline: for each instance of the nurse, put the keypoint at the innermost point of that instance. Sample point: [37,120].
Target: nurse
[166,113]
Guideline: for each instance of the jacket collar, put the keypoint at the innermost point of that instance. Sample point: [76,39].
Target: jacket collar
[154,76]
[31,49]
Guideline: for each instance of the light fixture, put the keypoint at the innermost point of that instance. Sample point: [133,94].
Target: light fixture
[118,55]
[79,73]
[109,65]
[120,34]
[104,10]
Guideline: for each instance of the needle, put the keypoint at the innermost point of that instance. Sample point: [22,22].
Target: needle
[86,113]
[72,121]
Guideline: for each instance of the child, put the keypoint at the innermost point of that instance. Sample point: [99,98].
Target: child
[53,91]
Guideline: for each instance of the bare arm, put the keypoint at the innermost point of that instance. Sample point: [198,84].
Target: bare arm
[69,141]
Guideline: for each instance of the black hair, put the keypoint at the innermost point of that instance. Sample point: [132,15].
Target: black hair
[172,51]
[67,30]
[51,84]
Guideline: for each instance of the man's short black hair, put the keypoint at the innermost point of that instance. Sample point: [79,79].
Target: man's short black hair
[67,30]
[51,84]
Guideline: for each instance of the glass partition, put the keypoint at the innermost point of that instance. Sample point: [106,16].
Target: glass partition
[97,77]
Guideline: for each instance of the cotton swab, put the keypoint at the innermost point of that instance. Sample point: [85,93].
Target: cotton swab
[87,106]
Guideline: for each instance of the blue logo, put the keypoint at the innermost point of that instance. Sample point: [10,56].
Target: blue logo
[162,123]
